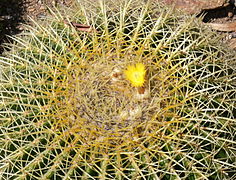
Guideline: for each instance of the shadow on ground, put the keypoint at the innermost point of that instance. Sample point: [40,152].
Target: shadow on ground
[217,13]
[11,16]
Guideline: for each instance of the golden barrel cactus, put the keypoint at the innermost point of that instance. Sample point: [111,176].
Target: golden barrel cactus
[140,92]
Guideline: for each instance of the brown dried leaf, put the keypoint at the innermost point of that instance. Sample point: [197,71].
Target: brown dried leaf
[80,27]
[195,6]
[232,43]
[226,27]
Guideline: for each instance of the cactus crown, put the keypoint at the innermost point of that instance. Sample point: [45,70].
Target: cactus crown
[71,108]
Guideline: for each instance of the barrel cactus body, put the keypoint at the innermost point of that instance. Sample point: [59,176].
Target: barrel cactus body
[141,93]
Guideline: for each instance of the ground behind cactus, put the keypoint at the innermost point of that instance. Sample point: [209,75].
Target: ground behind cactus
[14,12]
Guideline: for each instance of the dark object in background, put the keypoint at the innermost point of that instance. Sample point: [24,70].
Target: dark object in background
[210,15]
[232,2]
[11,16]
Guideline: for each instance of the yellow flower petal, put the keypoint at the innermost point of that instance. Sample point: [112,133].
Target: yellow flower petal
[136,74]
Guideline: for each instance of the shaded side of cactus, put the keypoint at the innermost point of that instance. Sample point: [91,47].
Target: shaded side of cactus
[67,110]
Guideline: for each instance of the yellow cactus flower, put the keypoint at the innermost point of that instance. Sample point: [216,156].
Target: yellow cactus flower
[136,74]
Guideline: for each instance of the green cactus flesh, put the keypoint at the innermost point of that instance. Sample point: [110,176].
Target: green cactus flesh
[68,112]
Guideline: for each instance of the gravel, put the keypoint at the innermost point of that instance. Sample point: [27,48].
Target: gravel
[14,13]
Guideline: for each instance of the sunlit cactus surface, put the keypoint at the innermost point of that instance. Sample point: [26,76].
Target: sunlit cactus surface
[118,90]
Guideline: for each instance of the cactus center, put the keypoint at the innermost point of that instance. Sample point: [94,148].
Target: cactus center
[101,105]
